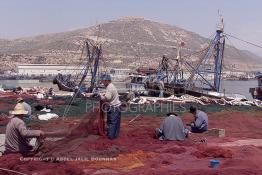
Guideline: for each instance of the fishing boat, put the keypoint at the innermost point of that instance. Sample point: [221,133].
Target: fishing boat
[63,82]
[138,84]
[257,91]
[201,77]
[90,66]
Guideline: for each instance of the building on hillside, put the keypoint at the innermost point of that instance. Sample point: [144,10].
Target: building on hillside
[47,69]
[119,72]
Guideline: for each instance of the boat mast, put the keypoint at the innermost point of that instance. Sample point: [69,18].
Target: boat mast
[211,64]
[219,54]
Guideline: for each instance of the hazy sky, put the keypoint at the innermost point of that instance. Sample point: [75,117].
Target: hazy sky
[20,18]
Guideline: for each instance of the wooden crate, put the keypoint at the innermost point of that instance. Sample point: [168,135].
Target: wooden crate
[217,132]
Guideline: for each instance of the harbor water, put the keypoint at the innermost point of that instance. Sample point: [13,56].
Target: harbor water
[239,87]
[230,86]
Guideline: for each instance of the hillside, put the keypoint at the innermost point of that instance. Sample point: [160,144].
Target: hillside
[127,42]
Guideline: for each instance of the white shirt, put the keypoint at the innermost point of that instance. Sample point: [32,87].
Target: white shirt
[39,96]
[111,95]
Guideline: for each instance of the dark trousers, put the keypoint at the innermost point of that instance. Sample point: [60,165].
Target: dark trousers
[195,129]
[113,122]
[159,134]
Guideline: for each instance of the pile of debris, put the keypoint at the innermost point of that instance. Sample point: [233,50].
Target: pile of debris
[198,100]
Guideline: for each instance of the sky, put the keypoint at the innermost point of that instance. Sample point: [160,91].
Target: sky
[22,18]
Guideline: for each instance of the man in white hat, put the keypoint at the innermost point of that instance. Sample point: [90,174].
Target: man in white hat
[26,106]
[17,135]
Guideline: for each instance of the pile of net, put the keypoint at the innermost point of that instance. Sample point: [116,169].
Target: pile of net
[75,141]
[198,100]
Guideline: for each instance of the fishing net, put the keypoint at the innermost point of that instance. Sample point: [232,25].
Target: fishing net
[89,129]
[214,151]
[121,162]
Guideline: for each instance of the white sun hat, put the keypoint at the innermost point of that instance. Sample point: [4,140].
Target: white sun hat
[19,110]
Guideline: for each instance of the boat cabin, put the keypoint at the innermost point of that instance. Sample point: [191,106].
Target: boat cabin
[257,91]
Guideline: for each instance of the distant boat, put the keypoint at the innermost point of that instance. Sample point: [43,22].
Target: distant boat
[67,82]
[138,84]
[243,78]
[63,82]
[257,91]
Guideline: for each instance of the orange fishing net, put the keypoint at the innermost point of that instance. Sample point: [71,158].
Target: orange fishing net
[121,162]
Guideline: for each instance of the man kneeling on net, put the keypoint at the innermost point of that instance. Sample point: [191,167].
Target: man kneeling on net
[171,128]
[18,136]
[200,123]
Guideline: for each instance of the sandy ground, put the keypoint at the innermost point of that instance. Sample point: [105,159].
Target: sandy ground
[82,151]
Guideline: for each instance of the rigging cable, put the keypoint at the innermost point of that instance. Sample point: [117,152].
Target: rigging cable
[237,51]
[12,171]
[244,41]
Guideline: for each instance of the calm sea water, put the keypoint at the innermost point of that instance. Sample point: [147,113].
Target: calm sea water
[25,83]
[239,87]
[236,87]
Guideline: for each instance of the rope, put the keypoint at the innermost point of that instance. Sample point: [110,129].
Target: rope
[238,52]
[12,171]
[244,41]
[69,105]
[196,53]
[92,56]
[82,47]
[134,118]
[79,47]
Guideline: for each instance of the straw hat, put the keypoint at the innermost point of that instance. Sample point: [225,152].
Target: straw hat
[19,110]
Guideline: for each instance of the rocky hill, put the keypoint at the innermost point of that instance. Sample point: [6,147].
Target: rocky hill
[127,42]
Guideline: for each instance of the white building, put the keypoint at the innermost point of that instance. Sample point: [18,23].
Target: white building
[119,71]
[47,69]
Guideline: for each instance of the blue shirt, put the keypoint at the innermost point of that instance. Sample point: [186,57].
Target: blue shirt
[201,120]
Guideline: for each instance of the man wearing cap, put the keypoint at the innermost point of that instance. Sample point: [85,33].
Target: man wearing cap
[200,123]
[171,128]
[17,135]
[113,111]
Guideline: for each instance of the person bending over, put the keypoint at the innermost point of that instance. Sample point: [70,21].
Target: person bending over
[200,123]
[171,128]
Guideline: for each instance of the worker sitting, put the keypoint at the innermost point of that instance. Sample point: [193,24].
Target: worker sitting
[17,135]
[39,95]
[200,123]
[50,93]
[18,90]
[171,128]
